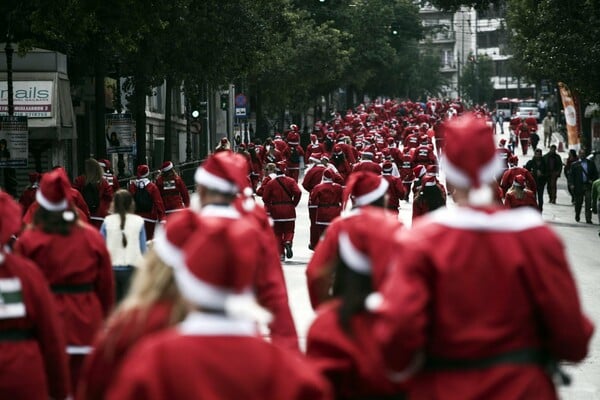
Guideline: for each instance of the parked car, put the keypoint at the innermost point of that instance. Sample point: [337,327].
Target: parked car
[528,107]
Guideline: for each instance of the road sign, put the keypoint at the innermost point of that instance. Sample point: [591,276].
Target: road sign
[240,112]
[240,100]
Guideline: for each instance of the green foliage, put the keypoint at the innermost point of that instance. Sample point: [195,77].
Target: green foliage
[558,40]
[476,83]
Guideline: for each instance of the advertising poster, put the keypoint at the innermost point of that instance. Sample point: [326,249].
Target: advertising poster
[14,141]
[30,98]
[571,116]
[120,134]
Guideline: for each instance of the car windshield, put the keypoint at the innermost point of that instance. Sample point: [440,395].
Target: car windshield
[527,104]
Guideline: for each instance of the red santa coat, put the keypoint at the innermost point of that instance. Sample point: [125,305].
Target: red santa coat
[352,361]
[367,165]
[114,343]
[35,367]
[27,198]
[512,201]
[350,152]
[173,192]
[261,188]
[452,303]
[112,181]
[313,177]
[315,147]
[411,141]
[105,193]
[281,196]
[424,155]
[327,198]
[213,357]
[374,226]
[509,176]
[78,269]
[396,191]
[269,282]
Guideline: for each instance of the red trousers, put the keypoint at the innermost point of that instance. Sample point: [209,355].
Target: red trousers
[284,233]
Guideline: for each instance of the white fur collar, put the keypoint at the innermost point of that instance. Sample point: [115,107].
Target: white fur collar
[202,324]
[509,220]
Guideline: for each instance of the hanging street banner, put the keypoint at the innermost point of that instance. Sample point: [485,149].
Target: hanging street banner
[14,141]
[31,98]
[120,134]
[571,116]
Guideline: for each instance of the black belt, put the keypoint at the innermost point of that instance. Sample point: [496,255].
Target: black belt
[281,202]
[522,356]
[16,335]
[72,288]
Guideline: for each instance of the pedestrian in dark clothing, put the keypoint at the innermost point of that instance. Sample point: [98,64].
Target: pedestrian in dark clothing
[570,160]
[537,167]
[554,166]
[583,174]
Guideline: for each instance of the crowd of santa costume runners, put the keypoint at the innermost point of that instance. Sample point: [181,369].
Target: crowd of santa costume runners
[148,292]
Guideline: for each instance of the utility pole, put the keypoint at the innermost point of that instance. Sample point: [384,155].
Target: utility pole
[8,50]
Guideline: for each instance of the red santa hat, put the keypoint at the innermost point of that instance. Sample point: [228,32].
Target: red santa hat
[315,157]
[428,180]
[170,239]
[364,187]
[166,166]
[224,141]
[280,166]
[143,171]
[513,160]
[106,163]
[419,171]
[224,172]
[294,128]
[10,220]
[519,181]
[53,194]
[387,167]
[432,170]
[293,138]
[327,175]
[337,149]
[101,163]
[216,278]
[313,138]
[502,142]
[251,146]
[369,151]
[470,160]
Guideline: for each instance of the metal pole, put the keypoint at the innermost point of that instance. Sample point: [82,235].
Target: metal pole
[188,129]
[9,76]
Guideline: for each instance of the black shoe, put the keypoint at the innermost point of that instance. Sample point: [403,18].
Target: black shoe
[288,250]
[577,219]
[589,222]
[310,247]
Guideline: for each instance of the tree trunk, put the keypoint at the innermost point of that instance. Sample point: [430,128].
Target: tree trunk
[140,120]
[100,109]
[168,106]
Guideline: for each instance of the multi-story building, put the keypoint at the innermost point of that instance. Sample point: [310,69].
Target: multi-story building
[457,36]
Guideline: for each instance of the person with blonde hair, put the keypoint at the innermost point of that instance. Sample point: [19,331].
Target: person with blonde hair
[519,195]
[125,238]
[152,304]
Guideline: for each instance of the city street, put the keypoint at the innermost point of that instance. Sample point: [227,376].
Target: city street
[581,241]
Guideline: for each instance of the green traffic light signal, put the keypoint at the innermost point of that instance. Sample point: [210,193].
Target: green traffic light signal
[224,102]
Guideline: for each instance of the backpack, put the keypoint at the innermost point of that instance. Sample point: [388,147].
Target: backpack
[91,195]
[143,199]
[294,155]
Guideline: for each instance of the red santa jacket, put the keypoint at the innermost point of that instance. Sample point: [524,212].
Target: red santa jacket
[114,343]
[351,361]
[451,304]
[313,147]
[424,155]
[261,188]
[281,196]
[509,176]
[377,229]
[294,156]
[173,192]
[396,191]
[269,283]
[327,198]
[112,181]
[528,199]
[33,362]
[158,209]
[313,177]
[78,269]
[174,365]
[27,198]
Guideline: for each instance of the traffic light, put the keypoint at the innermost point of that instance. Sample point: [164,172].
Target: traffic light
[224,101]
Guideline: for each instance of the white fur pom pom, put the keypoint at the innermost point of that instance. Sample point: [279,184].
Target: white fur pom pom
[481,196]
[68,215]
[373,301]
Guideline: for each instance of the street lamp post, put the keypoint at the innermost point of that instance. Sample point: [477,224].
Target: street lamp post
[8,50]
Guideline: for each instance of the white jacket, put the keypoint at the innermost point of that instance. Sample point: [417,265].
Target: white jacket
[132,253]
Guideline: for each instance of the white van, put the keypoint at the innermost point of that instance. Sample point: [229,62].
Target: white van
[528,107]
